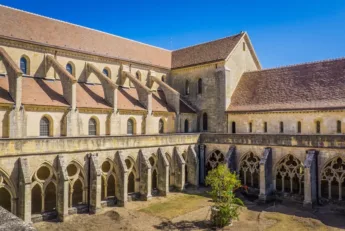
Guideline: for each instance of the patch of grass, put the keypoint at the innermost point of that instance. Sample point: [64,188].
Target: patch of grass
[289,222]
[176,206]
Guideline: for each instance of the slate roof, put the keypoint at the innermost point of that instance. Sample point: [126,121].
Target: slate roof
[206,52]
[318,85]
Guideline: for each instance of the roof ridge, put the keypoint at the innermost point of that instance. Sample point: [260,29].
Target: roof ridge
[84,27]
[298,64]
[203,43]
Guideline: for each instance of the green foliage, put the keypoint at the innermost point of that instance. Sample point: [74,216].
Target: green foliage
[223,183]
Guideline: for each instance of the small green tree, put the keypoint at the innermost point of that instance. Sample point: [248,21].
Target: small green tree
[223,183]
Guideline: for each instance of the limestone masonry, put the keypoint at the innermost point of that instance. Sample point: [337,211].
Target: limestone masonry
[89,119]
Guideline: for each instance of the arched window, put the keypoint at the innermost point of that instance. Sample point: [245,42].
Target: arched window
[44,127]
[187,88]
[161,126]
[265,127]
[250,127]
[69,68]
[318,127]
[200,86]
[24,65]
[204,122]
[186,126]
[130,127]
[106,72]
[338,126]
[233,127]
[138,75]
[92,127]
[299,127]
[163,78]
[281,126]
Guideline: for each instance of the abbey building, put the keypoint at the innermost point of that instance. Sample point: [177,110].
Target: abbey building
[89,119]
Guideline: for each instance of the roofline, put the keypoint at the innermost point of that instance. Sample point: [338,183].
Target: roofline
[298,64]
[251,49]
[203,43]
[84,27]
[284,110]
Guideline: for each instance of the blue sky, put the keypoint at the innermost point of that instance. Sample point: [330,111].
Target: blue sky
[282,33]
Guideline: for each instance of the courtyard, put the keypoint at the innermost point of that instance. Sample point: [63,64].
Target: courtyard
[191,211]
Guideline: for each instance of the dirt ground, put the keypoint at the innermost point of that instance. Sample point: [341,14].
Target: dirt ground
[193,214]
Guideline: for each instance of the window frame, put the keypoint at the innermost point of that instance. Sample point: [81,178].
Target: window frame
[93,131]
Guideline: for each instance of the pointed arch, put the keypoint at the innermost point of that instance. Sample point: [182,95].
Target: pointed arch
[131,126]
[70,68]
[215,158]
[7,192]
[77,183]
[24,64]
[250,170]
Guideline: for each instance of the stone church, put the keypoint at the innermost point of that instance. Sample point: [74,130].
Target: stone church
[89,119]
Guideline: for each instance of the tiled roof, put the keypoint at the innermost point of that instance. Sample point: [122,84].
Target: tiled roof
[91,96]
[203,53]
[5,97]
[20,25]
[127,99]
[319,85]
[42,92]
[159,102]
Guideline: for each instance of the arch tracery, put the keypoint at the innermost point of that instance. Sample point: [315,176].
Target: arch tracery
[249,170]
[333,179]
[7,192]
[214,159]
[77,184]
[108,180]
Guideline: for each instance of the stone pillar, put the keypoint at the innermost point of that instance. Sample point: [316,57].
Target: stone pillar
[179,170]
[266,185]
[163,174]
[231,160]
[150,124]
[121,174]
[95,184]
[17,123]
[202,154]
[24,190]
[192,163]
[115,123]
[62,189]
[310,179]
[145,185]
[72,123]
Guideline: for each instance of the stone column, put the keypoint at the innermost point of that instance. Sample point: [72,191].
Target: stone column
[266,175]
[24,193]
[192,167]
[310,179]
[202,153]
[231,159]
[121,174]
[145,186]
[95,184]
[163,174]
[179,168]
[62,189]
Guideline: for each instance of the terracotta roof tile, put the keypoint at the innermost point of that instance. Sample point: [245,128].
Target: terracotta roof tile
[42,92]
[127,99]
[5,97]
[159,102]
[91,96]
[306,86]
[204,53]
[29,27]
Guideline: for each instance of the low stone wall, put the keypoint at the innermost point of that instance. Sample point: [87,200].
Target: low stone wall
[8,221]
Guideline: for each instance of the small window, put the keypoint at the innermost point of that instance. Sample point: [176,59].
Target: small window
[138,75]
[318,127]
[92,127]
[69,68]
[250,127]
[233,127]
[24,65]
[163,78]
[106,72]
[200,86]
[338,126]
[265,127]
[244,46]
[187,87]
[130,127]
[186,126]
[281,127]
[161,126]
[299,127]
[44,127]
[204,122]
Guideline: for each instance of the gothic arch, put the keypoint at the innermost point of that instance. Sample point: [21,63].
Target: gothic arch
[171,169]
[108,179]
[7,192]
[332,179]
[215,158]
[250,170]
[153,160]
[132,184]
[289,175]
[77,183]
